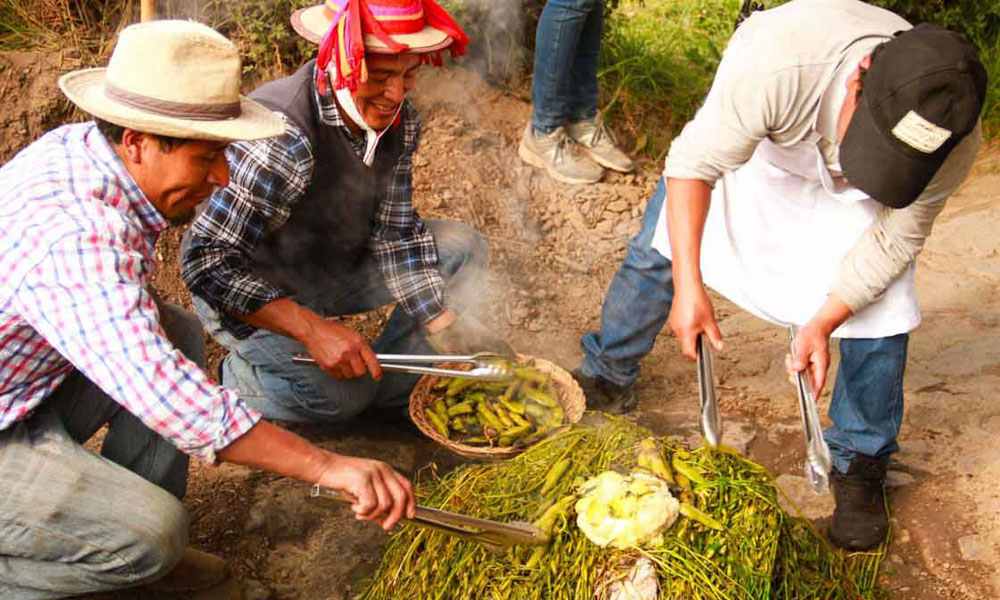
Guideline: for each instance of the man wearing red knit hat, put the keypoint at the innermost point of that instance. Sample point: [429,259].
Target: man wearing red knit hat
[319,223]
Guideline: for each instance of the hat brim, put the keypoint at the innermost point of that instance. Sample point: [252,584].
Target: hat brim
[313,22]
[874,165]
[85,89]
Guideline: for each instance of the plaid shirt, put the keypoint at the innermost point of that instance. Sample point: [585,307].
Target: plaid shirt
[266,180]
[77,240]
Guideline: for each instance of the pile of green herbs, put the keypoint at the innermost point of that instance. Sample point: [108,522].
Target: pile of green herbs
[761,552]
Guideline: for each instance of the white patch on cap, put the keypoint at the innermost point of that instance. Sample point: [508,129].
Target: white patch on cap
[919,133]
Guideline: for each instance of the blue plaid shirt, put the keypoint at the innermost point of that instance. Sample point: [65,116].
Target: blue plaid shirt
[267,178]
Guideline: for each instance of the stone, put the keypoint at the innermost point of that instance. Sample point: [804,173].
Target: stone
[255,590]
[975,547]
[801,499]
[894,479]
[618,206]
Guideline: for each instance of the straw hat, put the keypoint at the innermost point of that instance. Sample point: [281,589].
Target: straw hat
[174,78]
[347,29]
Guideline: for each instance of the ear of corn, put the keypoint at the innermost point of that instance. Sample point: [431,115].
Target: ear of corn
[760,552]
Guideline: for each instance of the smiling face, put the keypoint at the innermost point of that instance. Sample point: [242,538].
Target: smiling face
[175,180]
[390,78]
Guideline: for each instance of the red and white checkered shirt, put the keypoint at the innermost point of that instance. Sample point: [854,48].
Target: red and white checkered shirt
[77,239]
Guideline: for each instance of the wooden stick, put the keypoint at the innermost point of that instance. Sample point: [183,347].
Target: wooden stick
[147,10]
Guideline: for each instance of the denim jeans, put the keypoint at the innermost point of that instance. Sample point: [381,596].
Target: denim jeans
[72,522]
[867,406]
[259,367]
[567,57]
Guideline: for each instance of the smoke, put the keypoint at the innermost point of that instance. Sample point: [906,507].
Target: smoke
[499,36]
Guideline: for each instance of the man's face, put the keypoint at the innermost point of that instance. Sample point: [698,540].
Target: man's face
[177,180]
[390,78]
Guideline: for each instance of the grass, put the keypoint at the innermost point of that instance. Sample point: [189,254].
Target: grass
[658,60]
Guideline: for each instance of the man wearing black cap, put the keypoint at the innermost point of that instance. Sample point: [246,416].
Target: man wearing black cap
[803,191]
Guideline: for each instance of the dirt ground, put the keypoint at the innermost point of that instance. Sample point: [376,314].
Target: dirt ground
[554,250]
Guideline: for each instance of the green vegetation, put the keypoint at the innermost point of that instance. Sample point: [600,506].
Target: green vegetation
[733,540]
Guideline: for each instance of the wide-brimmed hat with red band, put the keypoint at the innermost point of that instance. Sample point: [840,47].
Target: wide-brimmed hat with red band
[346,29]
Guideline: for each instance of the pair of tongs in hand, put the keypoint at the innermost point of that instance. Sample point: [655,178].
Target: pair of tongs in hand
[818,461]
[492,534]
[710,419]
[487,366]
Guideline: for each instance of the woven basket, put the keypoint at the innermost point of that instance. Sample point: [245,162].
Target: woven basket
[570,397]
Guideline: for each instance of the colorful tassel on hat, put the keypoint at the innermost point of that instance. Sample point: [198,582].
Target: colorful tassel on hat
[344,41]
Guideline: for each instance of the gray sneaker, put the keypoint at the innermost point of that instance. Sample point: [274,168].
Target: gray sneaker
[599,142]
[559,155]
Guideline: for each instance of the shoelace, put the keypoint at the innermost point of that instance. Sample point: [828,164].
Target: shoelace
[562,143]
[601,132]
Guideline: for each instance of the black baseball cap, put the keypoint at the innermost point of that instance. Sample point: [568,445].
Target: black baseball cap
[921,96]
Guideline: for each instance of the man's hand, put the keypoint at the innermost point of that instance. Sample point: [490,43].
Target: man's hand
[812,343]
[464,335]
[381,494]
[691,313]
[340,351]
[812,353]
[337,349]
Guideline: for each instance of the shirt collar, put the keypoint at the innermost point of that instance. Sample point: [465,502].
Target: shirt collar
[329,114]
[132,198]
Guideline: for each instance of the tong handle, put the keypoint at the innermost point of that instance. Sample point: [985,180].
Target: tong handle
[711,418]
[818,460]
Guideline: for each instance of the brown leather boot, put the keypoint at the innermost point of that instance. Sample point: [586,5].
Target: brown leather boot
[198,576]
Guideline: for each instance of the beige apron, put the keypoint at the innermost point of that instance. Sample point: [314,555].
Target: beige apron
[776,232]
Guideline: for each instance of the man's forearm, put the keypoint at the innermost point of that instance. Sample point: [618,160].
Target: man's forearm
[271,448]
[687,208]
[284,316]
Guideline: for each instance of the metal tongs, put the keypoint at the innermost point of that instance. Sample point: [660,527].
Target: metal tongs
[488,366]
[492,534]
[818,461]
[711,418]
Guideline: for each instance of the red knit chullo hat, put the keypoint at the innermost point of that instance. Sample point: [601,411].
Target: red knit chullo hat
[347,29]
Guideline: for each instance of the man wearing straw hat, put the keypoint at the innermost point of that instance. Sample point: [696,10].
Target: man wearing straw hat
[85,343]
[319,223]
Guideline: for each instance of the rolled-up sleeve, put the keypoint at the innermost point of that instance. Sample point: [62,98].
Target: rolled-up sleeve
[890,245]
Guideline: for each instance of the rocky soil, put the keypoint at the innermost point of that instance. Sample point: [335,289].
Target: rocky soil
[554,250]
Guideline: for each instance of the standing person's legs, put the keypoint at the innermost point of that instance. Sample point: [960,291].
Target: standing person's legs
[867,412]
[563,28]
[635,307]
[586,63]
[563,39]
[867,406]
[260,369]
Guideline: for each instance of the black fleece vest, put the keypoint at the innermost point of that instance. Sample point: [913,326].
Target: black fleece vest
[329,229]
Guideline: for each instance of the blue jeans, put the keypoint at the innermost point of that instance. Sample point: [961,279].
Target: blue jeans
[867,407]
[567,57]
[259,367]
[73,522]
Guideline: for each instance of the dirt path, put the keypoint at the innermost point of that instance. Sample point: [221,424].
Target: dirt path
[554,251]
